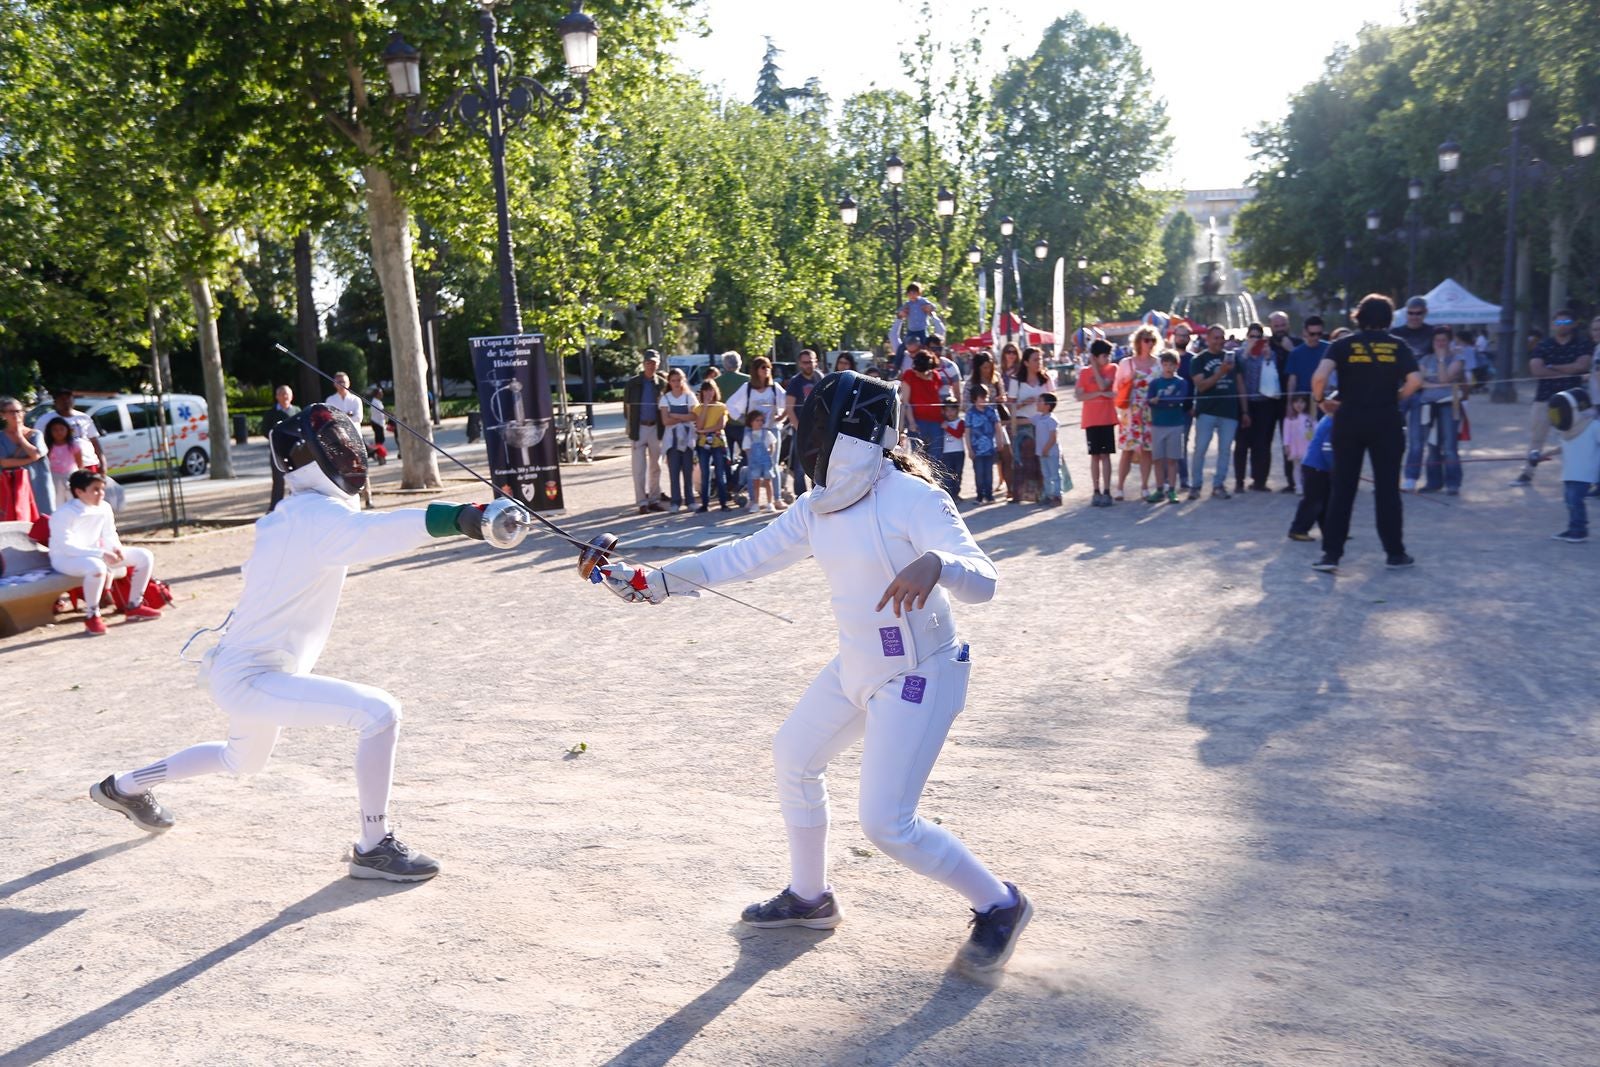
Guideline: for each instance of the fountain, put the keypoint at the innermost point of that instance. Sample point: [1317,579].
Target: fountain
[1232,311]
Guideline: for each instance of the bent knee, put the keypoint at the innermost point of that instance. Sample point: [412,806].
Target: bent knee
[379,712]
[245,756]
[890,833]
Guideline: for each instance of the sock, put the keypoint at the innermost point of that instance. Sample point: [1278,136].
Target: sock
[978,884]
[808,861]
[374,778]
[189,763]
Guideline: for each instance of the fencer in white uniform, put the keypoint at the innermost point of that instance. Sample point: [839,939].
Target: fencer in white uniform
[260,671]
[895,552]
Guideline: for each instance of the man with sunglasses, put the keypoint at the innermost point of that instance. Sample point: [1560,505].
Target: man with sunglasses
[1560,362]
[1298,368]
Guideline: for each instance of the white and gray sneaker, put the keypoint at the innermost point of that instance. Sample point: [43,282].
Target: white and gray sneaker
[143,809]
[392,861]
[786,909]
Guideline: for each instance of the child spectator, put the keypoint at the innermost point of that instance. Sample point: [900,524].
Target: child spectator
[954,458]
[983,429]
[711,442]
[1316,475]
[84,542]
[1297,431]
[763,452]
[915,312]
[1097,390]
[1167,396]
[1048,447]
[65,450]
[1580,458]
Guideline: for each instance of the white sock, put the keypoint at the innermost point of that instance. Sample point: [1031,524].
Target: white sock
[189,763]
[374,777]
[808,861]
[978,884]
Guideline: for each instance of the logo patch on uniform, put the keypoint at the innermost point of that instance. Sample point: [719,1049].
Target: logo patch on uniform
[913,689]
[893,644]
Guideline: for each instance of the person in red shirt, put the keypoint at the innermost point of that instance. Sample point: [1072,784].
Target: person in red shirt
[1097,389]
[922,388]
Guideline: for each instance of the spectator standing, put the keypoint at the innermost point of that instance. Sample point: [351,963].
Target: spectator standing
[759,393]
[641,400]
[949,369]
[985,372]
[1218,407]
[1182,342]
[795,391]
[378,415]
[283,407]
[1047,440]
[1096,390]
[342,399]
[1433,414]
[729,382]
[1282,342]
[82,425]
[1025,389]
[844,361]
[1166,397]
[1316,474]
[17,452]
[1416,332]
[1258,417]
[64,454]
[1377,373]
[1297,432]
[1559,362]
[1299,368]
[983,430]
[763,464]
[1134,375]
[1580,469]
[711,442]
[84,543]
[953,448]
[677,439]
[922,394]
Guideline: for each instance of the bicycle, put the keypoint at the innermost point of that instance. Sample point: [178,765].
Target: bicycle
[574,438]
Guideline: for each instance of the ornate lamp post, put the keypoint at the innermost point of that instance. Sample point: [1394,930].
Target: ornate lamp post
[1504,392]
[496,105]
[899,228]
[1413,195]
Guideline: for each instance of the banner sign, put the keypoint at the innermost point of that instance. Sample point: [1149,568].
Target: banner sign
[518,429]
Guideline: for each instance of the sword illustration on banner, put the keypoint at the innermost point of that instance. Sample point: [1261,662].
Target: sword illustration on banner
[596,550]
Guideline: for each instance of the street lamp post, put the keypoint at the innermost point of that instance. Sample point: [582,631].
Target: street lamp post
[899,227]
[497,105]
[1413,195]
[1505,391]
[1008,255]
[1083,293]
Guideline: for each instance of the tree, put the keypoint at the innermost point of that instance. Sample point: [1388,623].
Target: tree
[771,94]
[1075,129]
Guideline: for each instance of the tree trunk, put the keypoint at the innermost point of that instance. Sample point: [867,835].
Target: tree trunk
[1519,339]
[1560,259]
[205,317]
[311,384]
[391,257]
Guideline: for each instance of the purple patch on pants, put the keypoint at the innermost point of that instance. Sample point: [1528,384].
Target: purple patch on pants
[893,644]
[912,691]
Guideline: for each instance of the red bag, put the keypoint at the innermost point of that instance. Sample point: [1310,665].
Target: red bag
[1466,428]
[157,594]
[39,533]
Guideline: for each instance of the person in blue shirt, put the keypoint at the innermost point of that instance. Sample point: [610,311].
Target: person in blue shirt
[1316,475]
[983,427]
[1168,397]
[916,311]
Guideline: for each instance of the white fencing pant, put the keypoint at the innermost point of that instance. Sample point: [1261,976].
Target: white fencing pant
[259,704]
[904,726]
[96,572]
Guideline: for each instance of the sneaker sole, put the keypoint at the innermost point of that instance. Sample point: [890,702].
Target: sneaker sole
[827,923]
[1400,566]
[1329,569]
[358,871]
[98,795]
[1011,946]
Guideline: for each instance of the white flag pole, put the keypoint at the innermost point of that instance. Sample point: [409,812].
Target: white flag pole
[1059,323]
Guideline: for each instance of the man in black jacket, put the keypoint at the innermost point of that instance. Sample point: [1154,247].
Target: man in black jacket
[283,409]
[641,400]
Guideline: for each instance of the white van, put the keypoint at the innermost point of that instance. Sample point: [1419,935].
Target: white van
[127,423]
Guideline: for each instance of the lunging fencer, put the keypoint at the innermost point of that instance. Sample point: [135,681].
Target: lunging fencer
[259,673]
[894,551]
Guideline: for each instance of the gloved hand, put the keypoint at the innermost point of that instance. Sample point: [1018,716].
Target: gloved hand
[446,520]
[633,584]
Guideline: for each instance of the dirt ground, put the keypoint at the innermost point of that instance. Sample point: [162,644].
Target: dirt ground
[1266,816]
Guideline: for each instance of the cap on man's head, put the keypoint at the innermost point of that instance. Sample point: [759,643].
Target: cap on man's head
[1416,303]
[651,356]
[62,390]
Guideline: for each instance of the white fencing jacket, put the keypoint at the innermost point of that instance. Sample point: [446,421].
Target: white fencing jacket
[294,575]
[860,549]
[79,531]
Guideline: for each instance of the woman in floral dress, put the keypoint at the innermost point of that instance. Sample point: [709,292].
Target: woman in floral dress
[1133,411]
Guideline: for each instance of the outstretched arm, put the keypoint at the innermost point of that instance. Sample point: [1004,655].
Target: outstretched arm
[784,541]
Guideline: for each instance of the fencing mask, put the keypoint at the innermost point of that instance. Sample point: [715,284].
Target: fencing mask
[847,424]
[1571,412]
[324,437]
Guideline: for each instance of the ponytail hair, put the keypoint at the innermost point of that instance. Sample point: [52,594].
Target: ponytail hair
[913,460]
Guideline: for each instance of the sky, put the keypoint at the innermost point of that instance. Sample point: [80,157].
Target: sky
[1222,66]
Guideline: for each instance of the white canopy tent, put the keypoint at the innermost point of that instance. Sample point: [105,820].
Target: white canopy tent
[1451,304]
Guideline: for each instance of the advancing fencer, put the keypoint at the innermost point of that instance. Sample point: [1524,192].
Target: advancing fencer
[894,551]
[260,671]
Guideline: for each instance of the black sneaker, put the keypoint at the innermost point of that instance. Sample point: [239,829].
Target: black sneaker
[392,861]
[786,909]
[1295,535]
[1399,562]
[1571,537]
[143,809]
[995,933]
[1326,565]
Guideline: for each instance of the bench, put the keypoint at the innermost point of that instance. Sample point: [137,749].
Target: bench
[27,597]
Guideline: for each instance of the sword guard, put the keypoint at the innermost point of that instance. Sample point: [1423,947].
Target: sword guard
[597,553]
